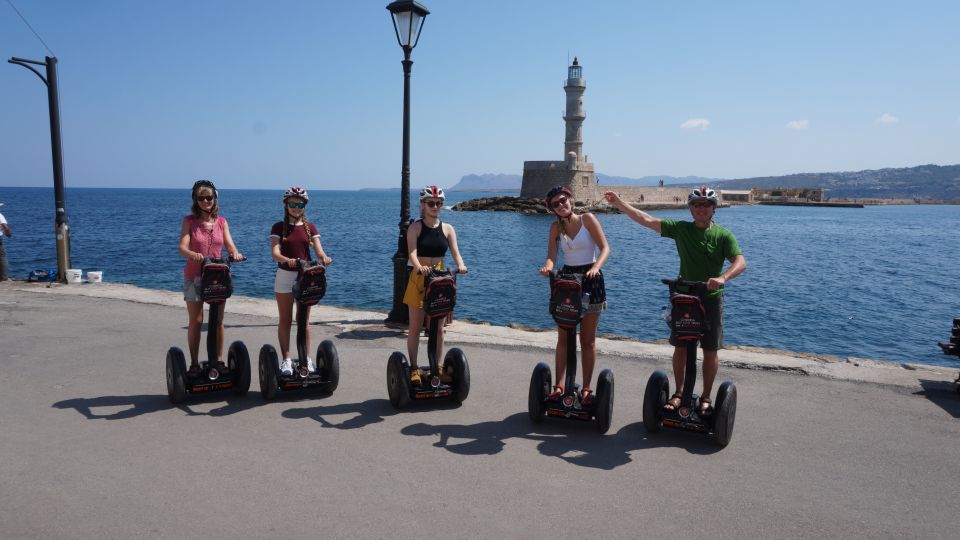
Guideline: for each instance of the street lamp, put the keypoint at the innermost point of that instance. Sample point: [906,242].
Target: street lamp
[62,227]
[408,17]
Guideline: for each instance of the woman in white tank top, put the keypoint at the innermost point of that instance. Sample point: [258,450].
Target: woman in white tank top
[585,250]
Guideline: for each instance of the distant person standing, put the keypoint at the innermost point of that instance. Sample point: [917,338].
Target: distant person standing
[703,246]
[5,228]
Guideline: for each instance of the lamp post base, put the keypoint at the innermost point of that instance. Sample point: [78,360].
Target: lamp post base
[399,315]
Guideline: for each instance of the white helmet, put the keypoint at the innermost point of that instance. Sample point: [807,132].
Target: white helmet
[432,192]
[296,191]
[703,193]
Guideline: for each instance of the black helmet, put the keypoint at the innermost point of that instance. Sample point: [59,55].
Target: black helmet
[201,184]
[558,190]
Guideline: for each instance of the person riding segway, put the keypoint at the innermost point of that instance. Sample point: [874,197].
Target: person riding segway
[430,295]
[301,281]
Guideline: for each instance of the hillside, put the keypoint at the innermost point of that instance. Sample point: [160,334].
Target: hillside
[921,182]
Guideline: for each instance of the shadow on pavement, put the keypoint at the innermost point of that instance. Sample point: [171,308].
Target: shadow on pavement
[363,414]
[943,394]
[577,443]
[366,334]
[133,406]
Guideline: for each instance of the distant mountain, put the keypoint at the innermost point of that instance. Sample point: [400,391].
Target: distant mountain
[922,182]
[488,182]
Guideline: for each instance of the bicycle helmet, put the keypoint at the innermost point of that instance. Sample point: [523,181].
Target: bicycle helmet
[703,193]
[202,184]
[558,190]
[431,192]
[296,191]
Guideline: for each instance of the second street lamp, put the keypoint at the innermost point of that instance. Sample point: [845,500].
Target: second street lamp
[408,17]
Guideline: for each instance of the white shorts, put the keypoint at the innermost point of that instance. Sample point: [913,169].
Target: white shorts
[284,281]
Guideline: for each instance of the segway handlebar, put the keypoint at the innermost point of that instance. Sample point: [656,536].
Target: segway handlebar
[223,260]
[696,287]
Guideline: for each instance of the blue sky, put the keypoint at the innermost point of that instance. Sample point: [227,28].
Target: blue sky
[267,94]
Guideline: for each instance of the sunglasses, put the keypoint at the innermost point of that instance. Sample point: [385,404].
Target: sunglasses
[205,198]
[560,201]
[701,205]
[434,204]
[296,205]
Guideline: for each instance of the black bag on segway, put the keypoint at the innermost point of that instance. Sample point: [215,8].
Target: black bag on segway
[311,283]
[440,293]
[688,317]
[216,284]
[566,301]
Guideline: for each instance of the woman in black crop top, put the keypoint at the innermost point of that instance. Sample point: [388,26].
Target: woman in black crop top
[428,240]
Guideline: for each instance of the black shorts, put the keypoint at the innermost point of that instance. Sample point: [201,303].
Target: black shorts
[713,339]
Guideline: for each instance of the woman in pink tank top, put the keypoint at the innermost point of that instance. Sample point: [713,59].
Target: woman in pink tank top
[203,233]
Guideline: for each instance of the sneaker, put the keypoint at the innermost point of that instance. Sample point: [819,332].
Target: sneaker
[286,367]
[311,365]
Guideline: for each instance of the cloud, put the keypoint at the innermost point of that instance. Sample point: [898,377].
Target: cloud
[887,119]
[696,123]
[798,124]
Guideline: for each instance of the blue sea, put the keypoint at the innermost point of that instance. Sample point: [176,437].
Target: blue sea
[879,282]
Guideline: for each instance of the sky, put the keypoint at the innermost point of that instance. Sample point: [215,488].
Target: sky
[265,94]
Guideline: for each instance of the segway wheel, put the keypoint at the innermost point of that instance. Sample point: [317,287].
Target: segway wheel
[604,411]
[398,380]
[654,398]
[269,364]
[456,362]
[330,370]
[238,359]
[725,413]
[176,376]
[539,388]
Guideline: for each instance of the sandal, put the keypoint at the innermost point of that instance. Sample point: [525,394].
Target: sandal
[445,377]
[556,392]
[706,407]
[415,376]
[586,396]
[674,402]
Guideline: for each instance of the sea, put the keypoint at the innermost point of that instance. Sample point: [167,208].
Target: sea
[879,282]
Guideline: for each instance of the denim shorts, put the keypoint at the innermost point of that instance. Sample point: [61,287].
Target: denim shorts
[190,292]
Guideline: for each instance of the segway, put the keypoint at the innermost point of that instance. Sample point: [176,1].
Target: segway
[216,286]
[688,323]
[568,304]
[309,288]
[439,298]
[953,347]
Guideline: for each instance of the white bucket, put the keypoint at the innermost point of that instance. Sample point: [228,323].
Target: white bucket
[74,275]
[94,276]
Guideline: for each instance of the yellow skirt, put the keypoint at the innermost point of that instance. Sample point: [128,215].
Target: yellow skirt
[413,296]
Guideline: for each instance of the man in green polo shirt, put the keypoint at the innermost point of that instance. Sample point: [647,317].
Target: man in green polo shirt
[703,247]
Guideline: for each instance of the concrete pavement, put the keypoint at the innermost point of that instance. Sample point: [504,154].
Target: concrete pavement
[90,447]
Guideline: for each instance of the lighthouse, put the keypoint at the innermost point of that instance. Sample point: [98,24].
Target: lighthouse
[573,172]
[575,87]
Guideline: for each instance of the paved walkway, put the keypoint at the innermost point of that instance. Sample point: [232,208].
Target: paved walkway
[92,448]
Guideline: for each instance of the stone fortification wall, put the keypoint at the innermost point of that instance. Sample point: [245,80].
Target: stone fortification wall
[540,176]
[649,194]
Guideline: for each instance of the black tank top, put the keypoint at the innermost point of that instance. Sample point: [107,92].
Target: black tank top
[432,242]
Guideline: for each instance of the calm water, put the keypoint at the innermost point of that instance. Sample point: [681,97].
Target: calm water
[878,282]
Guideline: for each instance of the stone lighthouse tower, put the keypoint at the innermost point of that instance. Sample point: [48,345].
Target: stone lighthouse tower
[574,117]
[574,171]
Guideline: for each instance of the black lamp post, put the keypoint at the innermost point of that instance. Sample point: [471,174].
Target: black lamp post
[62,227]
[408,17]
